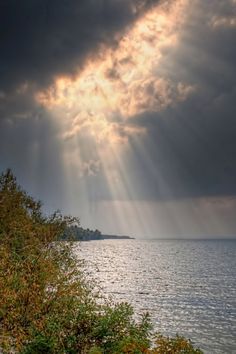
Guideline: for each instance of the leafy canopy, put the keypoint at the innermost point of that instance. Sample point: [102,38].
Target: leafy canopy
[46,304]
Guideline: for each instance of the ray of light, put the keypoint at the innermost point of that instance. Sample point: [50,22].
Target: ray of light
[123,82]
[94,110]
[121,188]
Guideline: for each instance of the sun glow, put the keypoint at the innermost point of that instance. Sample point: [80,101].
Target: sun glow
[95,110]
[122,82]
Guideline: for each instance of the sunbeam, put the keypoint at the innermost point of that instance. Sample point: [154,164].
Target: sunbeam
[94,109]
[122,82]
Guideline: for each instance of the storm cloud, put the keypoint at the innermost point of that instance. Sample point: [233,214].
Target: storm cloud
[43,39]
[193,142]
[177,127]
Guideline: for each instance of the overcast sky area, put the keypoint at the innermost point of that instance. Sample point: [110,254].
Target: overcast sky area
[123,112]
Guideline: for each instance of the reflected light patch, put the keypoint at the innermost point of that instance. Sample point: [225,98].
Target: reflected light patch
[121,82]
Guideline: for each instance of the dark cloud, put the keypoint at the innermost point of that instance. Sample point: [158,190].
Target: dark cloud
[38,41]
[190,147]
[192,144]
[31,148]
[41,39]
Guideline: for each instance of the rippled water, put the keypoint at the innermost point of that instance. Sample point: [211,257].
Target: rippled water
[188,287]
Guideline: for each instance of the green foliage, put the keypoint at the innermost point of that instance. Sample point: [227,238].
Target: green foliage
[176,345]
[46,306]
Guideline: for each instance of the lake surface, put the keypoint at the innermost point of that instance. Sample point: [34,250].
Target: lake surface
[188,287]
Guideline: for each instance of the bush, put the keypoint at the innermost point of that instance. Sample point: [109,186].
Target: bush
[46,305]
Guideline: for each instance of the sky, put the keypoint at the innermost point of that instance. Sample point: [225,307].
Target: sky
[122,112]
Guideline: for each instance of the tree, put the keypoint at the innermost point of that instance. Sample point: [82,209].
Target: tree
[46,304]
[35,276]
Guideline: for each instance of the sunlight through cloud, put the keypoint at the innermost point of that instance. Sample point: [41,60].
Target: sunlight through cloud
[95,109]
[121,82]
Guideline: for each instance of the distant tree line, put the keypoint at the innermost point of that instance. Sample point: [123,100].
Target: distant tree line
[47,304]
[78,233]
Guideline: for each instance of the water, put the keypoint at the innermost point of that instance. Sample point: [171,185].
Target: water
[188,287]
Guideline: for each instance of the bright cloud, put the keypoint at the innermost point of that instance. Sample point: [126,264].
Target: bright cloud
[122,82]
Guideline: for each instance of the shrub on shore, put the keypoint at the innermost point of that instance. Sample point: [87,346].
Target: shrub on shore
[46,304]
